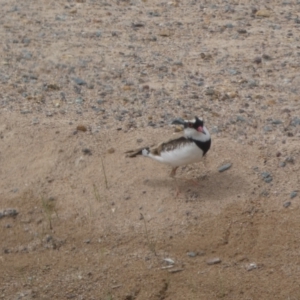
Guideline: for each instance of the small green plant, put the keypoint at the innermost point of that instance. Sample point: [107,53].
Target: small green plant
[49,209]
[90,207]
[151,244]
[103,169]
[221,293]
[97,195]
[109,296]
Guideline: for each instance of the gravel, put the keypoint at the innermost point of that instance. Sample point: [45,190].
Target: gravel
[287,204]
[192,254]
[267,177]
[79,81]
[8,212]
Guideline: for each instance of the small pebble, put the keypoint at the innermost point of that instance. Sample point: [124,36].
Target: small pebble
[79,81]
[263,13]
[8,212]
[266,177]
[290,159]
[169,261]
[295,121]
[293,194]
[267,128]
[25,112]
[87,151]
[266,57]
[287,204]
[192,254]
[264,193]
[213,261]
[241,119]
[242,31]
[225,167]
[276,122]
[81,128]
[257,60]
[111,150]
[26,54]
[35,121]
[79,100]
[251,266]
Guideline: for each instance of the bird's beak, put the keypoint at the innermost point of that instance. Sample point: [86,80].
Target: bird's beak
[178,121]
[200,129]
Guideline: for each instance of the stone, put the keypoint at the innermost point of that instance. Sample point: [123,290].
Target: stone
[257,60]
[251,266]
[225,167]
[79,81]
[8,212]
[213,261]
[111,150]
[165,33]
[267,128]
[263,13]
[295,121]
[276,122]
[293,194]
[81,128]
[233,71]
[242,31]
[53,86]
[79,100]
[266,57]
[266,177]
[138,24]
[87,151]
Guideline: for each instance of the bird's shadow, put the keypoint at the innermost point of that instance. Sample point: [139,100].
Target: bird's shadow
[210,186]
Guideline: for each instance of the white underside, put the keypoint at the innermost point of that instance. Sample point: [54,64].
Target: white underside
[187,154]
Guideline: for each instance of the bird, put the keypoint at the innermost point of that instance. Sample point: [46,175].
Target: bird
[187,149]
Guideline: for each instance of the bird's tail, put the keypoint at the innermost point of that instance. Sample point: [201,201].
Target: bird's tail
[141,151]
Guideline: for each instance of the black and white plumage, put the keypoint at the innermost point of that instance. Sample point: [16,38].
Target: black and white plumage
[187,149]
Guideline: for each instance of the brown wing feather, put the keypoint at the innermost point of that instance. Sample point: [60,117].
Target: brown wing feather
[166,146]
[136,152]
[170,145]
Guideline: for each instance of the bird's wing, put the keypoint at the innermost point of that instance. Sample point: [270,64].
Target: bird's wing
[170,145]
[136,152]
[163,147]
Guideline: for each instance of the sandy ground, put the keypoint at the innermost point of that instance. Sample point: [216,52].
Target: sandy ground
[82,82]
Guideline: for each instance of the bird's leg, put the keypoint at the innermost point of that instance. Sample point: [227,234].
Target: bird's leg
[177,189]
[172,174]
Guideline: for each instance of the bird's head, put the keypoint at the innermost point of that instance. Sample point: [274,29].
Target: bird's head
[194,128]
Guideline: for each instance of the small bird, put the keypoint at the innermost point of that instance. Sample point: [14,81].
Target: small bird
[184,150]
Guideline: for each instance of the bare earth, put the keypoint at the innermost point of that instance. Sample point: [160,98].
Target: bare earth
[82,82]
